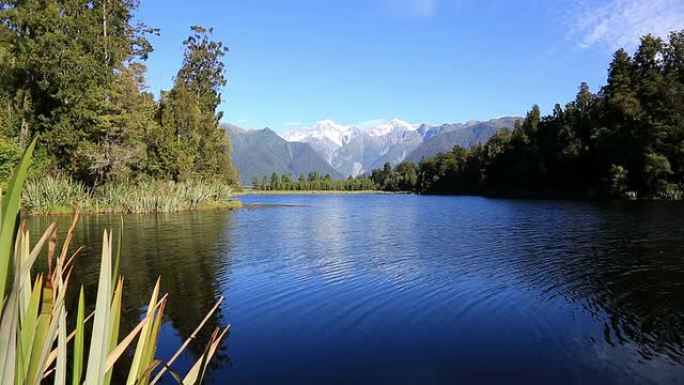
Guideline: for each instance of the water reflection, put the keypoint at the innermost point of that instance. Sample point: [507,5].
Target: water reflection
[189,251]
[623,262]
[410,289]
[588,292]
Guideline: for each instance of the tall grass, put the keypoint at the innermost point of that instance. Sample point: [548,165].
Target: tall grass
[34,340]
[53,195]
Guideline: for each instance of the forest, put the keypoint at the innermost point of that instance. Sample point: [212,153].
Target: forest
[72,75]
[626,141]
[313,181]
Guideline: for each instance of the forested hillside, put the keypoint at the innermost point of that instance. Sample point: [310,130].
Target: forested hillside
[72,75]
[627,140]
[446,136]
[259,153]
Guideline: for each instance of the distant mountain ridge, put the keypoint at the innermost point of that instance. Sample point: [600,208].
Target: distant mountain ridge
[259,153]
[324,137]
[353,151]
[446,136]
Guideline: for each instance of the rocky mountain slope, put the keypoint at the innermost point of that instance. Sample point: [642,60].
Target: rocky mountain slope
[353,151]
[258,153]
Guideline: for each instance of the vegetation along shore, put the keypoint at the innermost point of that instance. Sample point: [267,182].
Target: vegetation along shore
[624,142]
[318,192]
[39,343]
[74,78]
[61,195]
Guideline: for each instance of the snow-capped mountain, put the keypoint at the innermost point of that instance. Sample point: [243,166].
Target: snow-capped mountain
[259,153]
[389,142]
[393,126]
[325,137]
[353,151]
[325,129]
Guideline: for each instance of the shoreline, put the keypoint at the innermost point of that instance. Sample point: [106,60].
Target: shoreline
[319,192]
[232,205]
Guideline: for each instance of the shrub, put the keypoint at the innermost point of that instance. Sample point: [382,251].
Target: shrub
[54,195]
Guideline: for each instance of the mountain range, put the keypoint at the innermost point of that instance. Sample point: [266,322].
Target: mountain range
[343,150]
[259,153]
[443,138]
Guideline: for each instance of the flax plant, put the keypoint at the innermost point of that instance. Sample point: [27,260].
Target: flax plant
[59,195]
[34,340]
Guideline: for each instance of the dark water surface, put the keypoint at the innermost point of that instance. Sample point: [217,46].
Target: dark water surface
[401,289]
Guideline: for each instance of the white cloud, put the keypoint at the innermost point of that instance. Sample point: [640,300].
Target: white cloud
[620,23]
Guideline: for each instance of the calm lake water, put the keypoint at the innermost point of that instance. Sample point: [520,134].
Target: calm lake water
[402,289]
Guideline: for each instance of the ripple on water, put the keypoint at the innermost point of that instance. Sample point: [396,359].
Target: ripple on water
[410,289]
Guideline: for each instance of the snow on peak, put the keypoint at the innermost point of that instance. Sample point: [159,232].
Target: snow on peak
[340,134]
[391,126]
[328,125]
[324,130]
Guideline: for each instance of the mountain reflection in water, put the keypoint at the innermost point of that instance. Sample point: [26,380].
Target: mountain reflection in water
[413,289]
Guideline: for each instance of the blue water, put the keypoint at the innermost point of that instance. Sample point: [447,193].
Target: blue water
[404,289]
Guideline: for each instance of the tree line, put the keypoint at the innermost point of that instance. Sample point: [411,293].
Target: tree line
[72,75]
[627,140]
[312,181]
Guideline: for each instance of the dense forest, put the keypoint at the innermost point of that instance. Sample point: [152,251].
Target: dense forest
[72,75]
[311,182]
[625,141]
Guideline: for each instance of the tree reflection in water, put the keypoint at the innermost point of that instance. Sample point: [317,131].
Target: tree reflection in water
[189,251]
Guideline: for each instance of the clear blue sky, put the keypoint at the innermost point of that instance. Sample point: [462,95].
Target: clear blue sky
[294,62]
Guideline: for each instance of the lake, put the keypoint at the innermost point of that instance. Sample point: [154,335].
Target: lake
[405,289]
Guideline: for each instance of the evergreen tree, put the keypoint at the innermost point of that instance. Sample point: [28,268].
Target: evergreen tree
[64,61]
[190,109]
[625,141]
[71,73]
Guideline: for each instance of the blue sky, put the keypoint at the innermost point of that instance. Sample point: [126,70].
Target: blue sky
[294,62]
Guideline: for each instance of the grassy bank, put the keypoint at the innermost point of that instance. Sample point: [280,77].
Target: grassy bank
[61,195]
[317,192]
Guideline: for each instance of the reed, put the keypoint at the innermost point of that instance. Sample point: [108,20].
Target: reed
[34,340]
[58,195]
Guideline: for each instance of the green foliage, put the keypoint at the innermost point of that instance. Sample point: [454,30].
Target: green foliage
[8,217]
[617,181]
[625,141]
[657,170]
[55,195]
[313,182]
[188,111]
[403,177]
[10,152]
[71,74]
[34,340]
